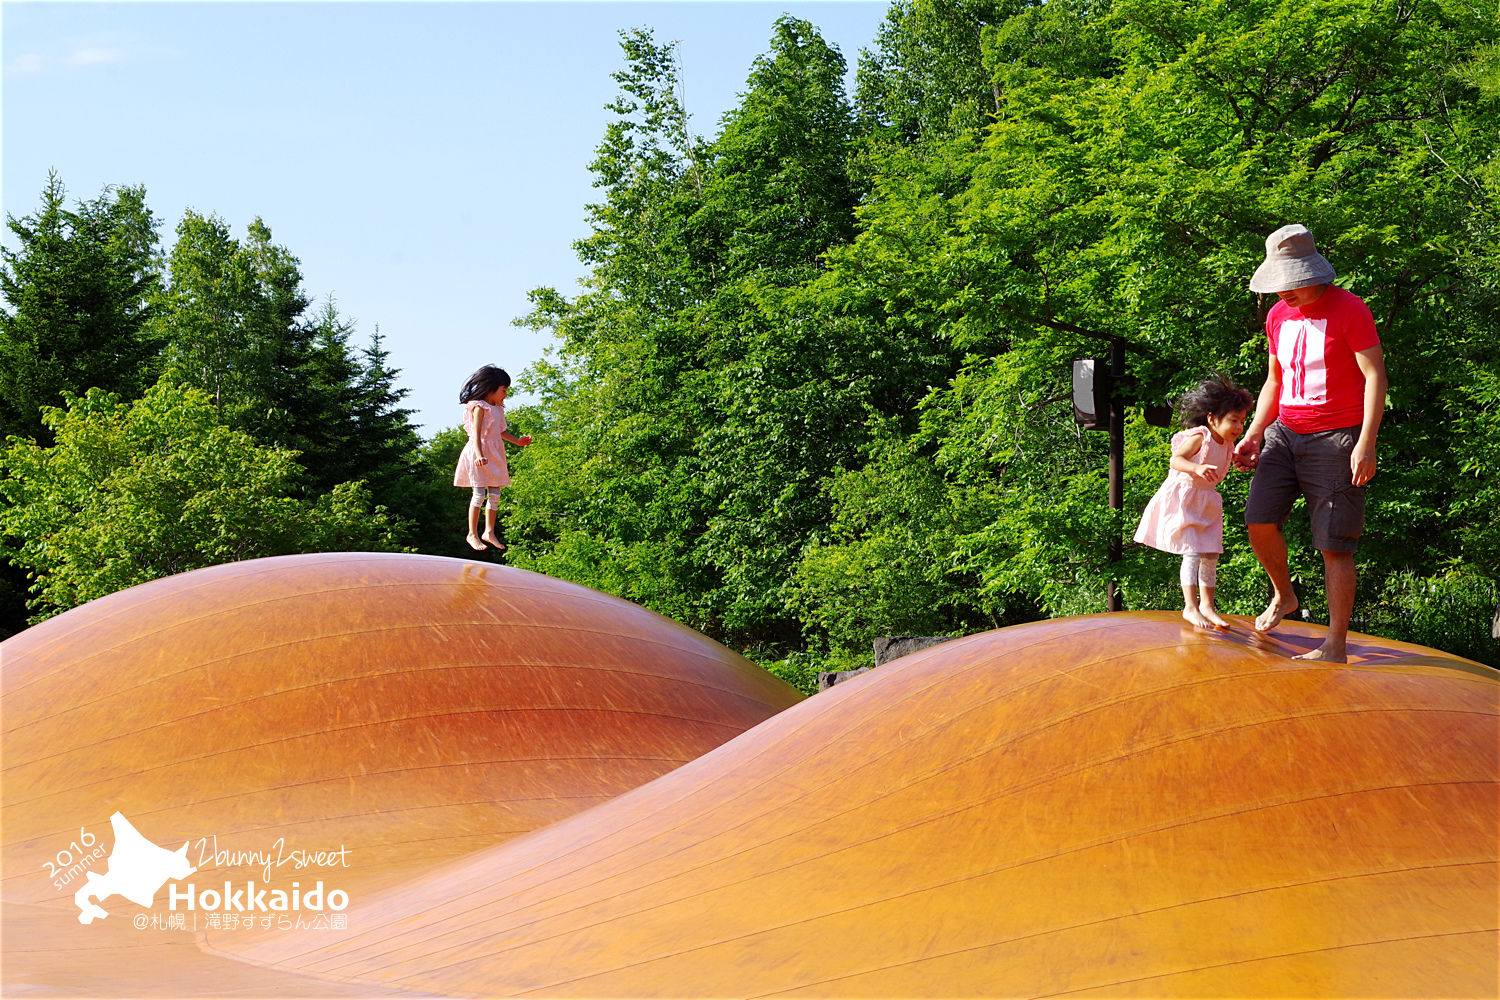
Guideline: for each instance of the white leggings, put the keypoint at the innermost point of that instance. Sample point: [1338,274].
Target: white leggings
[479,499]
[1200,569]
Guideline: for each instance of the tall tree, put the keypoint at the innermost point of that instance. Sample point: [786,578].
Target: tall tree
[780,194]
[77,292]
[1127,191]
[926,78]
[389,447]
[237,325]
[807,393]
[611,498]
[230,318]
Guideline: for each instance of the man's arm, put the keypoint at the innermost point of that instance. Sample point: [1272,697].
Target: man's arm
[1247,452]
[1371,363]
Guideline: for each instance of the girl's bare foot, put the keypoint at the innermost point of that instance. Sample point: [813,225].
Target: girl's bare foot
[489,536]
[1211,614]
[1195,619]
[475,543]
[1326,655]
[1275,611]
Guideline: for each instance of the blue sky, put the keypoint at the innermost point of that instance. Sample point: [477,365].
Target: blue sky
[426,162]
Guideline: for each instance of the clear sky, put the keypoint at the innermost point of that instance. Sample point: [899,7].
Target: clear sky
[426,162]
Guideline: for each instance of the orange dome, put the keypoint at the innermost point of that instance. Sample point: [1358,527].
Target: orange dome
[406,708]
[1112,806]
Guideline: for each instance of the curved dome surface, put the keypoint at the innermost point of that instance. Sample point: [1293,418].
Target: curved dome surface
[403,709]
[1102,806]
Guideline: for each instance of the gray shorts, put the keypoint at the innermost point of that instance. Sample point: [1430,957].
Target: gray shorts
[1315,466]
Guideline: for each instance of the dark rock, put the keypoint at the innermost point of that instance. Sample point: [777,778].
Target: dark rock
[893,647]
[887,648]
[828,678]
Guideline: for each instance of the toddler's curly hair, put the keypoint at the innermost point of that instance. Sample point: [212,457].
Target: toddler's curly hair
[1217,396]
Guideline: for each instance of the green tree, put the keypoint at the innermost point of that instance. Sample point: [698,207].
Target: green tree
[817,382]
[1126,191]
[229,316]
[390,446]
[349,422]
[237,326]
[77,292]
[135,491]
[691,418]
[926,77]
[442,508]
[779,193]
[610,497]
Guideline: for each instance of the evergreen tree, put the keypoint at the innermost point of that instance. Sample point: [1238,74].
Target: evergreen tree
[390,446]
[77,293]
[77,289]
[236,323]
[229,317]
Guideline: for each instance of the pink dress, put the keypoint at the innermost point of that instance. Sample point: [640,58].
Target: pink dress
[491,422]
[1185,516]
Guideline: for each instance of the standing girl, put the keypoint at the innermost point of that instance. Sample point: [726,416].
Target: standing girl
[1186,516]
[481,465]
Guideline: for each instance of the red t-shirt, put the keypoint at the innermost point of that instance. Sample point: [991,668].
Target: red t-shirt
[1322,387]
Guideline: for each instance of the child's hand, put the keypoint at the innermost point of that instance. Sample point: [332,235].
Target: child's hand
[1208,475]
[523,440]
[481,460]
[1247,453]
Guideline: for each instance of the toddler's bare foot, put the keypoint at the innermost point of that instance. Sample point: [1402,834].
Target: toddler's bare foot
[1194,618]
[475,543]
[489,536]
[1326,653]
[1211,613]
[1275,611]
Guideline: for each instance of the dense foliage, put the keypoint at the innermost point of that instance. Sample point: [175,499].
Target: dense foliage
[135,491]
[168,411]
[815,387]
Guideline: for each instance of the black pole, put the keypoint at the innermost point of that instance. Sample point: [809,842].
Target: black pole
[1116,461]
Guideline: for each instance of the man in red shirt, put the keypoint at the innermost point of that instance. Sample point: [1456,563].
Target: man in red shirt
[1314,429]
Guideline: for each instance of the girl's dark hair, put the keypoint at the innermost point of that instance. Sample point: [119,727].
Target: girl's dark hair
[483,382]
[1218,396]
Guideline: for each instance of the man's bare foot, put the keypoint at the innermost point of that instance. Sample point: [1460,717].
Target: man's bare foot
[475,543]
[489,536]
[1209,612]
[1325,654]
[1195,619]
[1275,611]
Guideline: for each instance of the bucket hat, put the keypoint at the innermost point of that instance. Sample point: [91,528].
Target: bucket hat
[1292,261]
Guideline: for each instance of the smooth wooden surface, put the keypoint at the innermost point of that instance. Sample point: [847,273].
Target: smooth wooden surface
[408,709]
[1110,806]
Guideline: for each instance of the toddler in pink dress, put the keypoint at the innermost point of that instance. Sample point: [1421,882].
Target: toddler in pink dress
[481,465]
[1186,516]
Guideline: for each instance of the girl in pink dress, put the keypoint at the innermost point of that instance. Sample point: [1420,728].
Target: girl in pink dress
[481,465]
[1186,516]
